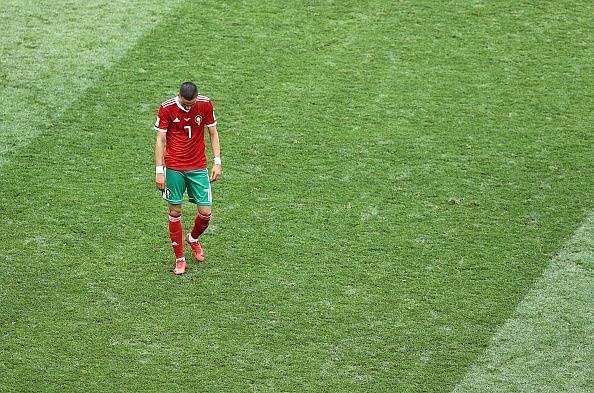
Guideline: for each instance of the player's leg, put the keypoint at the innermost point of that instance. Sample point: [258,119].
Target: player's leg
[176,236]
[173,194]
[199,192]
[201,221]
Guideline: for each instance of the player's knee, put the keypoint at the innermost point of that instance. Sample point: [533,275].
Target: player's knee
[175,210]
[205,216]
[205,211]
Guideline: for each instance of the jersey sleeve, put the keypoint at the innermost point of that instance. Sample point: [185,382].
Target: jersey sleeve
[210,119]
[162,123]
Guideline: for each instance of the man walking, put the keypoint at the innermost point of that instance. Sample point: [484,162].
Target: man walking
[181,165]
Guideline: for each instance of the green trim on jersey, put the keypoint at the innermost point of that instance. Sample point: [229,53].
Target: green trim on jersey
[196,182]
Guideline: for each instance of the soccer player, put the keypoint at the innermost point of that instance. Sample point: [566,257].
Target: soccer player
[181,164]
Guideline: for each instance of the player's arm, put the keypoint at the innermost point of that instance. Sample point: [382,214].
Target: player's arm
[215,173]
[160,160]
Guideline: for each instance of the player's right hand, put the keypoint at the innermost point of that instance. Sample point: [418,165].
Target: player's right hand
[160,181]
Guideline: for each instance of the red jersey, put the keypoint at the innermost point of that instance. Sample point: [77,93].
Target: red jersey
[185,148]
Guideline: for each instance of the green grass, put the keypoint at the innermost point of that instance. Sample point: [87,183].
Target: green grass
[396,178]
[547,345]
[52,51]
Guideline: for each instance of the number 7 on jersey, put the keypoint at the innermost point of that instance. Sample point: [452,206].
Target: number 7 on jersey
[189,128]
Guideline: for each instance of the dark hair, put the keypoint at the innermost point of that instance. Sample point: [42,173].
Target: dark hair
[188,91]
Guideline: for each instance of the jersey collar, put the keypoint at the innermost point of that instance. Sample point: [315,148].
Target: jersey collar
[180,105]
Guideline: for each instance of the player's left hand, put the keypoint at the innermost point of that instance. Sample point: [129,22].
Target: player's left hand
[215,173]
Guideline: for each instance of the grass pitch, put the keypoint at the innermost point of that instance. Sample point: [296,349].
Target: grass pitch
[547,344]
[397,175]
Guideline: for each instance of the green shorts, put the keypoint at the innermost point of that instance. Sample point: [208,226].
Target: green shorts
[196,182]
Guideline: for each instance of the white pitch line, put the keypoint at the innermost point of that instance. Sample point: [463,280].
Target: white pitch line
[548,343]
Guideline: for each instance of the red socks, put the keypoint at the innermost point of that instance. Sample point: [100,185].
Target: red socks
[176,231]
[176,234]
[200,224]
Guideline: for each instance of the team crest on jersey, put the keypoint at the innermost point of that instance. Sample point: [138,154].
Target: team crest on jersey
[198,119]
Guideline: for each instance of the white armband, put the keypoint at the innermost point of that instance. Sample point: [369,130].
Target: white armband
[159,169]
[217,160]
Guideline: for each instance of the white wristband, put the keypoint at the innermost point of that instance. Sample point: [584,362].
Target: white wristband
[217,160]
[159,169]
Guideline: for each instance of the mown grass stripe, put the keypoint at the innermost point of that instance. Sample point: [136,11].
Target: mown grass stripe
[548,344]
[52,51]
